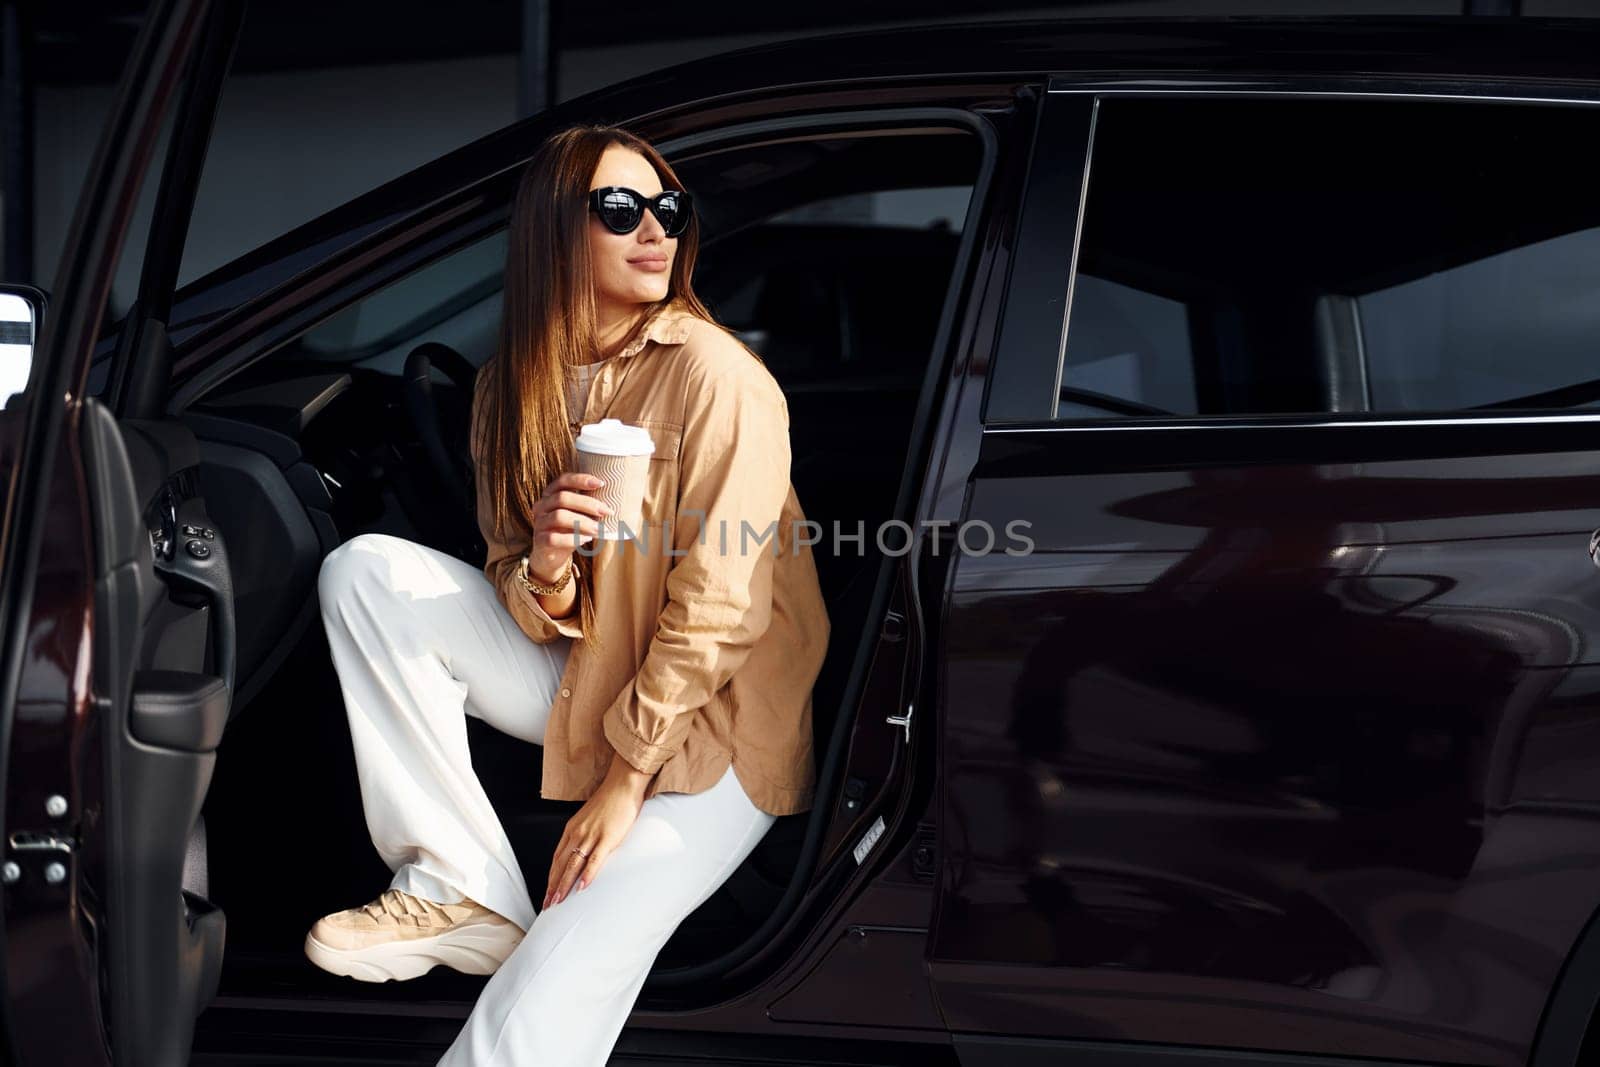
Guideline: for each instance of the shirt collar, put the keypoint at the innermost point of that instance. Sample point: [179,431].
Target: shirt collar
[668,326]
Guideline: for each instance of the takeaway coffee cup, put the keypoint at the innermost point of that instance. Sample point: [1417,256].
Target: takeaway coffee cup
[620,454]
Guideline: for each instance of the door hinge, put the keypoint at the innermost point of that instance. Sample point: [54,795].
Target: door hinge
[40,841]
[54,849]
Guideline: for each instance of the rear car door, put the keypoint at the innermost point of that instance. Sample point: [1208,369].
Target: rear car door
[1282,735]
[117,612]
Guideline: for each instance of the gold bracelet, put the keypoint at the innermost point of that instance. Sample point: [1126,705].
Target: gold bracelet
[540,588]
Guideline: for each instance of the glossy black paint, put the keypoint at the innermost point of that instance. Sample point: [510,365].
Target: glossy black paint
[54,1012]
[1297,742]
[858,69]
[1271,741]
[1280,740]
[1036,294]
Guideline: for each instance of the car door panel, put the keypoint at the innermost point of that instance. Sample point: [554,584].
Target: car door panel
[51,968]
[263,453]
[165,701]
[1276,731]
[1253,747]
[99,981]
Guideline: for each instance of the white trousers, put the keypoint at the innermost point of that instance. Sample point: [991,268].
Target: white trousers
[419,641]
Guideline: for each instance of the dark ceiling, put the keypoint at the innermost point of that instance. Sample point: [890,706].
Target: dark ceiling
[79,41]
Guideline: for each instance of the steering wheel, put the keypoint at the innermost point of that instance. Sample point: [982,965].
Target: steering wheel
[451,463]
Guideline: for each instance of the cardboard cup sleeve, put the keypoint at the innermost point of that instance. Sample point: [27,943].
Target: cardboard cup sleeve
[623,492]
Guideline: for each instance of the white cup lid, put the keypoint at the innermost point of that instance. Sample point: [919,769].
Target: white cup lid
[613,437]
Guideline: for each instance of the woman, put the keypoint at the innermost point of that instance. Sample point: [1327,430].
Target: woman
[667,677]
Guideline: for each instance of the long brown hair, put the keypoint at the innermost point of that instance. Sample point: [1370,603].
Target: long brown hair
[549,320]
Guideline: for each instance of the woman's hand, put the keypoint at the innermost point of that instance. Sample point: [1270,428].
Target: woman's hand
[563,518]
[597,829]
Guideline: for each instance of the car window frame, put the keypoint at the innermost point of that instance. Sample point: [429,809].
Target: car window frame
[1046,262]
[984,118]
[476,208]
[489,286]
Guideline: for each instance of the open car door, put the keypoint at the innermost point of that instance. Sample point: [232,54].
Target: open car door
[115,611]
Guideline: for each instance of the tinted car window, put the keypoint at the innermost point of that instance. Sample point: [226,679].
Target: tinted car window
[819,288]
[1316,255]
[831,255]
[454,300]
[812,250]
[1510,326]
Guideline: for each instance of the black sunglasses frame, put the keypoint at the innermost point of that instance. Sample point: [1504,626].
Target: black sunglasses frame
[598,196]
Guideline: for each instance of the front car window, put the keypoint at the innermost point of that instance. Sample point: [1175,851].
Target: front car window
[454,300]
[815,284]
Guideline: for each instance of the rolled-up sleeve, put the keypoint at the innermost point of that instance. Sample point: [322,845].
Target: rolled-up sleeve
[505,557]
[734,480]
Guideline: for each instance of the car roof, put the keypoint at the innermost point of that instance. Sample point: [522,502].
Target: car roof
[1523,51]
[1391,45]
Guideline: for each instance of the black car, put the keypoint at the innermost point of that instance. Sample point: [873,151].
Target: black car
[1201,417]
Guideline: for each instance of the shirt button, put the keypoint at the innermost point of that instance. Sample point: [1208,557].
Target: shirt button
[566,692]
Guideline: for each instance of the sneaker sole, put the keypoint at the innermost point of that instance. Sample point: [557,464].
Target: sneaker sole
[471,948]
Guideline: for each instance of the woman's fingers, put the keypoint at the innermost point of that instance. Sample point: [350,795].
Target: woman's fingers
[561,511]
[568,519]
[582,483]
[569,872]
[560,520]
[581,502]
[592,867]
[562,849]
[576,503]
[565,530]
[562,866]
[575,492]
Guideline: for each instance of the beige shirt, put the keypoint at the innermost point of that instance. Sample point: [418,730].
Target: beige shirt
[579,378]
[713,634]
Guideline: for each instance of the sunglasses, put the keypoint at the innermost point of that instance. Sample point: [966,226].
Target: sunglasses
[622,209]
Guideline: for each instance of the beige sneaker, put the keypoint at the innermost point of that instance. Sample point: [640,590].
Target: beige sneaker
[399,936]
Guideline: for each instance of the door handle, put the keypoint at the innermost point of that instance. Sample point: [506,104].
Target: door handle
[199,566]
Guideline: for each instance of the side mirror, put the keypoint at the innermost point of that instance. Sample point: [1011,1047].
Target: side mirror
[21,314]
